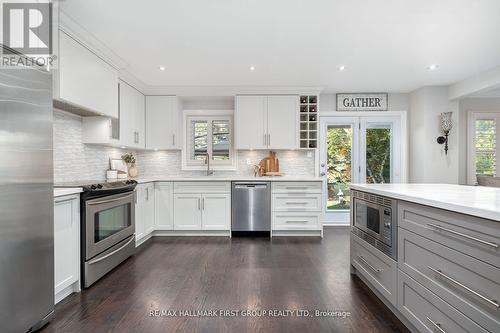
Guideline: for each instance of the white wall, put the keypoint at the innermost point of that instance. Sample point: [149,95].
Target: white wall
[428,162]
[466,105]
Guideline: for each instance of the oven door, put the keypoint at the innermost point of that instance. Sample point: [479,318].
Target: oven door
[108,220]
[369,218]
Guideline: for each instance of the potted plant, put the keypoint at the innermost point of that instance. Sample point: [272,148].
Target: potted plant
[130,160]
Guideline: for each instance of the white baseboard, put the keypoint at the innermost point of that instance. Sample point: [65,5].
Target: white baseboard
[188,233]
[287,233]
[74,288]
[347,225]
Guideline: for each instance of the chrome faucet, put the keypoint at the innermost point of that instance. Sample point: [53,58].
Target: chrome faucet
[207,162]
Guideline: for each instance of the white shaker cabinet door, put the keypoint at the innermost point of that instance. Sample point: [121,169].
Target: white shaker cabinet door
[283,122]
[140,225]
[149,209]
[132,114]
[66,243]
[162,123]
[216,211]
[85,79]
[187,212]
[164,206]
[251,122]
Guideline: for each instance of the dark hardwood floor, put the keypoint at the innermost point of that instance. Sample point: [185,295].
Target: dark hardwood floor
[205,273]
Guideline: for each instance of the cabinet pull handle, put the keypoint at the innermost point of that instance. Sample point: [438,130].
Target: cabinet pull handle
[296,203]
[295,187]
[264,137]
[269,139]
[147,193]
[494,245]
[173,139]
[290,221]
[370,266]
[199,207]
[202,203]
[436,325]
[475,293]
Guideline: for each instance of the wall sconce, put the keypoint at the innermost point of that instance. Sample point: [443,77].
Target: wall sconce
[446,125]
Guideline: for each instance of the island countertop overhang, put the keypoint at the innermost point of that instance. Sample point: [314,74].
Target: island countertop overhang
[479,201]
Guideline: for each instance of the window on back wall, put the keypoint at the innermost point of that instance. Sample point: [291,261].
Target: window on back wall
[209,137]
[483,151]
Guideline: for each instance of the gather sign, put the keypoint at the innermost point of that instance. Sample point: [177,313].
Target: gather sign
[362,102]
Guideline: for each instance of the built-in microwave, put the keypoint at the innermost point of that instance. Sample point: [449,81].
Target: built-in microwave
[374,219]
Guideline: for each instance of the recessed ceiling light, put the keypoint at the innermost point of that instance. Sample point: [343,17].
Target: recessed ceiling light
[251,68]
[162,68]
[433,67]
[341,68]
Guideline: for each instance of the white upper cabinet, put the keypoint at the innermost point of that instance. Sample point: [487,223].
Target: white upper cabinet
[85,80]
[132,117]
[162,123]
[266,122]
[250,119]
[283,122]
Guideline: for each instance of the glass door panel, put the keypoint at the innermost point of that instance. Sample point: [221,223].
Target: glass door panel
[380,157]
[339,137]
[339,166]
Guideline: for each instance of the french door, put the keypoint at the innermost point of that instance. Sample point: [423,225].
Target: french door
[365,149]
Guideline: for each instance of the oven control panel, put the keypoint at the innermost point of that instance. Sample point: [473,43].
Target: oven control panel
[387,225]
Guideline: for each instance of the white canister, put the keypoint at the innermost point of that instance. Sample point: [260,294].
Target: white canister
[111,174]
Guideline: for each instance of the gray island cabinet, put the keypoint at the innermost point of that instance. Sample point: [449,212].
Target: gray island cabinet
[447,274]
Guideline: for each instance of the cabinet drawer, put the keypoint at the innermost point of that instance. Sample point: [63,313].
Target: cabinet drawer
[202,187]
[296,221]
[297,203]
[376,267]
[296,187]
[479,238]
[468,284]
[429,313]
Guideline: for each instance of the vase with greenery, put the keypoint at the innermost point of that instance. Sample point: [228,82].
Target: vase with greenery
[130,160]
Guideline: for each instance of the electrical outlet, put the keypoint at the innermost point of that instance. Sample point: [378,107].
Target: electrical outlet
[249,162]
[309,154]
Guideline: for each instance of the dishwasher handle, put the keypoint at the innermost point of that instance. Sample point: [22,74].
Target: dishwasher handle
[250,185]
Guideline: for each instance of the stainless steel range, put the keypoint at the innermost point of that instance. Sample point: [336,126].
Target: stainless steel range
[108,227]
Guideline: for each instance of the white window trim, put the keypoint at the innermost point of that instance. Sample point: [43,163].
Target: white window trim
[209,115]
[472,116]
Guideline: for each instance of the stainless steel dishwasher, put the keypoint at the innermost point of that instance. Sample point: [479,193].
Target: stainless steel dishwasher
[251,207]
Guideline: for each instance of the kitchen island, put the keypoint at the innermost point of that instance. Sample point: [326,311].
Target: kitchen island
[445,274]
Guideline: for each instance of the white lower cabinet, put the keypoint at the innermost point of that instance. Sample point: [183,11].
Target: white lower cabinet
[202,206]
[66,246]
[164,213]
[187,212]
[144,212]
[296,208]
[216,211]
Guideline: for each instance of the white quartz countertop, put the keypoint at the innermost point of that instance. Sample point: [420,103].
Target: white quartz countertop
[62,191]
[229,178]
[477,201]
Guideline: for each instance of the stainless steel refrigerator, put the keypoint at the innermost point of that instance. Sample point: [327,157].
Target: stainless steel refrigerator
[26,200]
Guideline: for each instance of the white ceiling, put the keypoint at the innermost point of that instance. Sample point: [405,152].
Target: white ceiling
[385,45]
